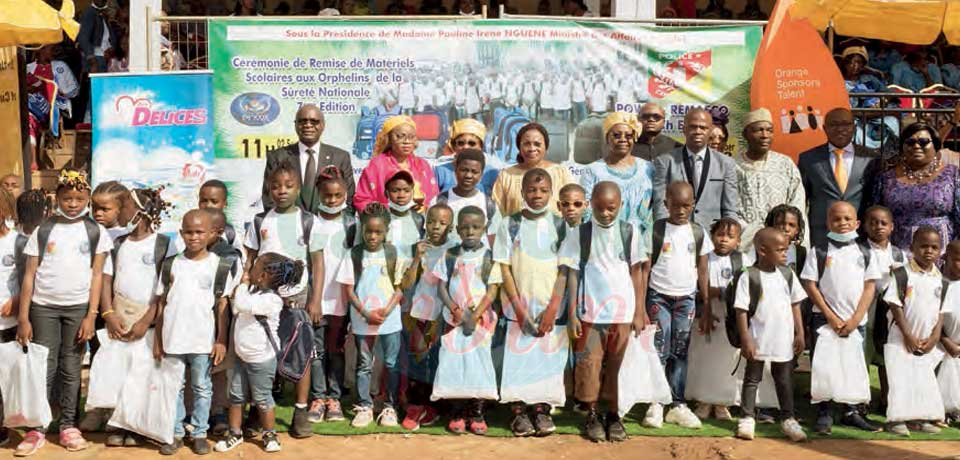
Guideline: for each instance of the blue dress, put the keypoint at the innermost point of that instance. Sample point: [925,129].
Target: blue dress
[636,191]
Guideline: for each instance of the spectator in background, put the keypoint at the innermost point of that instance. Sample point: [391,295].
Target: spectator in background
[717,139]
[247,8]
[170,58]
[96,38]
[884,56]
[752,12]
[715,10]
[466,8]
[853,65]
[577,8]
[50,87]
[950,70]
[283,9]
[119,61]
[916,72]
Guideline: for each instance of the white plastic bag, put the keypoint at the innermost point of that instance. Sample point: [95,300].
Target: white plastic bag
[533,366]
[23,383]
[465,368]
[949,380]
[839,369]
[914,391]
[148,400]
[110,367]
[641,378]
[710,375]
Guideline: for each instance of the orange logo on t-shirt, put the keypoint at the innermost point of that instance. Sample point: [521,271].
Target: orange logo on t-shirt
[263,234]
[51,246]
[908,293]
[828,263]
[667,247]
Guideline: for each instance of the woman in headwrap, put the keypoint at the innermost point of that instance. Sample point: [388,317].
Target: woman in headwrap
[533,143]
[395,150]
[634,175]
[466,133]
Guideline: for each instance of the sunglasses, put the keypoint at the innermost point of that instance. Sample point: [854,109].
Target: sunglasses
[309,121]
[466,143]
[622,135]
[575,204]
[922,142]
[651,117]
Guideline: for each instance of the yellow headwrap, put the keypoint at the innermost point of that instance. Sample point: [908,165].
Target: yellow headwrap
[72,178]
[466,126]
[383,141]
[617,118]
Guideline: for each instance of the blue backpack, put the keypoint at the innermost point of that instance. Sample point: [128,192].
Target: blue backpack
[371,121]
[500,140]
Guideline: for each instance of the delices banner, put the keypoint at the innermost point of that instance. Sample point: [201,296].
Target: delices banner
[562,74]
[153,130]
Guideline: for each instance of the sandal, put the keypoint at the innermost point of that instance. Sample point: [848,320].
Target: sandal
[72,440]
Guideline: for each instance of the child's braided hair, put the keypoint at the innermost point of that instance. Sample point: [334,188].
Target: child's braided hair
[32,208]
[72,179]
[330,173]
[115,190]
[151,205]
[375,211]
[780,212]
[283,271]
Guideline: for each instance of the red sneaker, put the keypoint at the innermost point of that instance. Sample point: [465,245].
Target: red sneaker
[412,421]
[478,426]
[457,426]
[429,417]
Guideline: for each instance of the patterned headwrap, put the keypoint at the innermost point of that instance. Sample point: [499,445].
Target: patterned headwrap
[152,207]
[383,140]
[73,179]
[618,118]
[466,126]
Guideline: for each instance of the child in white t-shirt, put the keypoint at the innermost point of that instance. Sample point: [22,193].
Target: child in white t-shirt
[112,207]
[406,223]
[770,329]
[468,168]
[257,306]
[372,275]
[950,337]
[831,276]
[192,322]
[605,293]
[911,354]
[9,293]
[678,274]
[60,297]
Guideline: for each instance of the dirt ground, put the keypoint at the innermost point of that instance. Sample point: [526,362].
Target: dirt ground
[397,447]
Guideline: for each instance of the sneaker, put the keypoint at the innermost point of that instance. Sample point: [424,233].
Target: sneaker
[32,442]
[745,428]
[172,448]
[131,440]
[200,446]
[232,440]
[594,428]
[271,443]
[116,439]
[430,416]
[823,425]
[219,425]
[72,440]
[334,411]
[542,421]
[703,411]
[521,425]
[929,428]
[899,429]
[764,417]
[654,417]
[301,426]
[363,416]
[411,422]
[251,425]
[93,421]
[478,425]
[857,421]
[4,436]
[616,432]
[316,412]
[722,413]
[387,417]
[457,425]
[792,429]
[580,408]
[681,415]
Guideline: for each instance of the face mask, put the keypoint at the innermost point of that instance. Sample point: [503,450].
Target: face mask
[59,212]
[399,208]
[132,225]
[471,245]
[332,210]
[843,237]
[536,212]
[598,224]
[10,223]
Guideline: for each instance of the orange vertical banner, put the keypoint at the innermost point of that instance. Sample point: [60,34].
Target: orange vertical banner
[796,78]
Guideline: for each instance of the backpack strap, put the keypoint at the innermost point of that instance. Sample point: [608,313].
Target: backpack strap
[821,254]
[306,227]
[349,228]
[229,233]
[659,229]
[513,226]
[736,262]
[93,236]
[43,236]
[487,266]
[266,330]
[755,288]
[586,240]
[801,257]
[419,220]
[561,227]
[865,251]
[166,275]
[450,261]
[224,266]
[115,252]
[160,247]
[900,275]
[491,208]
[257,225]
[626,239]
[20,259]
[390,251]
[443,197]
[944,285]
[356,257]
[898,255]
[787,275]
[698,240]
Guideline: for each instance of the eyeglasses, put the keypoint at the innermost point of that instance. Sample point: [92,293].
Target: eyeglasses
[466,143]
[575,204]
[403,137]
[922,142]
[622,135]
[309,121]
[841,124]
[651,117]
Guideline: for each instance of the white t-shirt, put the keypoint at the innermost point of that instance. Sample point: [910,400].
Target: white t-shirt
[136,279]
[328,236]
[840,285]
[951,312]
[9,287]
[720,268]
[772,326]
[467,286]
[63,278]
[374,291]
[283,234]
[189,319]
[922,309]
[609,296]
[403,233]
[885,262]
[457,202]
[675,273]
[425,304]
[250,342]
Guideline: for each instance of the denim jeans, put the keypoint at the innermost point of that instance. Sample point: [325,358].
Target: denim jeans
[199,366]
[389,346]
[327,367]
[817,320]
[674,318]
[55,327]
[253,383]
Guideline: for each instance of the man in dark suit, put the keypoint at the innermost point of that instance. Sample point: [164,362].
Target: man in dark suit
[309,156]
[712,174]
[827,180]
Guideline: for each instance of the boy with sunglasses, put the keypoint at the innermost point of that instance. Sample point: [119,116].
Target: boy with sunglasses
[573,203]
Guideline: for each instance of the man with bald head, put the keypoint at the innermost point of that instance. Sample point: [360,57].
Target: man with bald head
[651,143]
[837,170]
[310,156]
[711,174]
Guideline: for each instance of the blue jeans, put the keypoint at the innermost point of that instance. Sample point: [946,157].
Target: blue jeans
[389,346]
[327,368]
[253,383]
[200,366]
[674,318]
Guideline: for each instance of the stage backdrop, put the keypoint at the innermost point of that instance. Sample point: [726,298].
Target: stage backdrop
[559,73]
[152,130]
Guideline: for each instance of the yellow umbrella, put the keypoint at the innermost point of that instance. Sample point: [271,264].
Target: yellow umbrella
[917,22]
[33,22]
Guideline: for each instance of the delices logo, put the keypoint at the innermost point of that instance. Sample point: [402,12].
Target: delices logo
[255,109]
[140,112]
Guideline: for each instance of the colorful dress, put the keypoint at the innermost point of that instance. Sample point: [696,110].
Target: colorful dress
[934,203]
[762,185]
[636,190]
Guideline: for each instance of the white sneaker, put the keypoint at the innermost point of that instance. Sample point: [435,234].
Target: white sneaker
[793,430]
[745,428]
[899,429]
[387,417]
[681,415]
[703,410]
[654,417]
[363,417]
[722,413]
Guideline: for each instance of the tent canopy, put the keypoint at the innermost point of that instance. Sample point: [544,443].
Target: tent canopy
[917,22]
[33,22]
